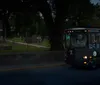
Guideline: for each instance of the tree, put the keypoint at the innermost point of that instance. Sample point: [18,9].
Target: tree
[62,10]
[54,25]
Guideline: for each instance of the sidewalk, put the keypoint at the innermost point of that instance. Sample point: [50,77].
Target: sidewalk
[39,46]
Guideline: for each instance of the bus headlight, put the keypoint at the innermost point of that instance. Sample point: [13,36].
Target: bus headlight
[90,57]
[85,57]
[85,62]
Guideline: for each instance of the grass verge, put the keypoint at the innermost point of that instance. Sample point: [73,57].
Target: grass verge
[16,39]
[22,48]
[43,43]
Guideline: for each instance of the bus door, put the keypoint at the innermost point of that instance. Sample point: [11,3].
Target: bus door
[94,41]
[94,44]
[69,50]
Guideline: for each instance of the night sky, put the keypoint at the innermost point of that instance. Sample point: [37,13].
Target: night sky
[95,1]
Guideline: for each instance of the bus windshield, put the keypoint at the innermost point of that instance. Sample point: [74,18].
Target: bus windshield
[78,40]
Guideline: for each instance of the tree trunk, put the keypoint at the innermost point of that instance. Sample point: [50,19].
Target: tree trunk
[4,30]
[55,29]
[6,27]
[56,42]
[55,34]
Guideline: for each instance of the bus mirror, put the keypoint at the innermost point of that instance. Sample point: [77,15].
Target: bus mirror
[94,53]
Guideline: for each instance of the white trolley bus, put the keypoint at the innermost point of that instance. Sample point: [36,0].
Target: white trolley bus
[82,46]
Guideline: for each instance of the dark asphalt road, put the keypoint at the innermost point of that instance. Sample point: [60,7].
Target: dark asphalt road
[61,75]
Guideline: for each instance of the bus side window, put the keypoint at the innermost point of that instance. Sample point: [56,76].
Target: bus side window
[98,40]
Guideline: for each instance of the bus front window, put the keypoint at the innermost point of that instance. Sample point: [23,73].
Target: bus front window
[78,40]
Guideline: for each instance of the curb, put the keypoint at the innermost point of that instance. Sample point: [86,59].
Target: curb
[30,67]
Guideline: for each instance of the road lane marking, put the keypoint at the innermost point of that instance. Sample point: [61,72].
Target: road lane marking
[32,67]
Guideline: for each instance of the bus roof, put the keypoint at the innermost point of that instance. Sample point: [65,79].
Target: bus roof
[76,29]
[79,28]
